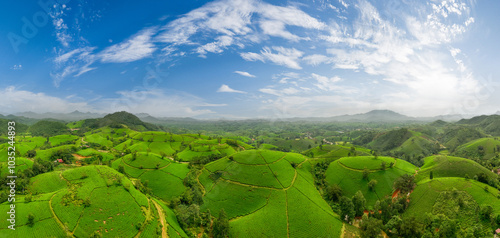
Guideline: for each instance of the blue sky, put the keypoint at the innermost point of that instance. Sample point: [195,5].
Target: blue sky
[250,58]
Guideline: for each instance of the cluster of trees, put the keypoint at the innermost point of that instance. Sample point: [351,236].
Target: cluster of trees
[48,128]
[187,209]
[386,214]
[23,178]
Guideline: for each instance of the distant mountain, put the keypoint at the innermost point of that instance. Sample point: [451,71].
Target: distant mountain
[439,123]
[490,124]
[73,116]
[497,113]
[118,119]
[374,116]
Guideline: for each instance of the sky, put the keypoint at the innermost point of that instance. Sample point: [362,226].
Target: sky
[238,59]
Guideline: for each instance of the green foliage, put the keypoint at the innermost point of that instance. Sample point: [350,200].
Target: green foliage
[48,128]
[333,192]
[221,226]
[390,140]
[347,211]
[405,183]
[359,202]
[31,220]
[370,227]
[372,184]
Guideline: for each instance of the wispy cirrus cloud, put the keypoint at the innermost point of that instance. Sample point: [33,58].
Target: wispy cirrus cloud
[226,89]
[246,74]
[137,47]
[236,23]
[288,57]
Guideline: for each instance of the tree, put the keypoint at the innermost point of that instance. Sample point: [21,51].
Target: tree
[31,220]
[486,212]
[366,172]
[370,227]
[394,225]
[431,175]
[334,192]
[383,165]
[371,184]
[28,198]
[411,228]
[346,209]
[221,225]
[31,153]
[405,183]
[121,169]
[359,202]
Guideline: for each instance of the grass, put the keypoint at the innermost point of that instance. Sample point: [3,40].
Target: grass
[369,162]
[335,151]
[448,166]
[269,221]
[471,149]
[284,172]
[113,212]
[307,219]
[57,140]
[163,185]
[47,183]
[235,199]
[352,180]
[259,175]
[146,160]
[427,192]
[251,157]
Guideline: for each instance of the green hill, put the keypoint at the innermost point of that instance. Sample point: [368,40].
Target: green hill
[459,135]
[390,140]
[82,201]
[118,120]
[48,128]
[336,151]
[489,124]
[449,166]
[268,194]
[458,199]
[347,172]
[484,148]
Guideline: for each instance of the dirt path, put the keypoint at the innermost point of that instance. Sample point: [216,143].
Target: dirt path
[361,170]
[79,157]
[287,219]
[164,233]
[342,231]
[54,214]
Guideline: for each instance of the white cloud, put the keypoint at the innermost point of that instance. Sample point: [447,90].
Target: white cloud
[251,56]
[154,102]
[61,28]
[73,63]
[137,47]
[18,100]
[17,67]
[159,103]
[226,89]
[316,59]
[325,83]
[288,57]
[246,74]
[344,3]
[233,22]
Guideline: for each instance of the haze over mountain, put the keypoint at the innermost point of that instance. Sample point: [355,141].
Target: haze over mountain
[371,116]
